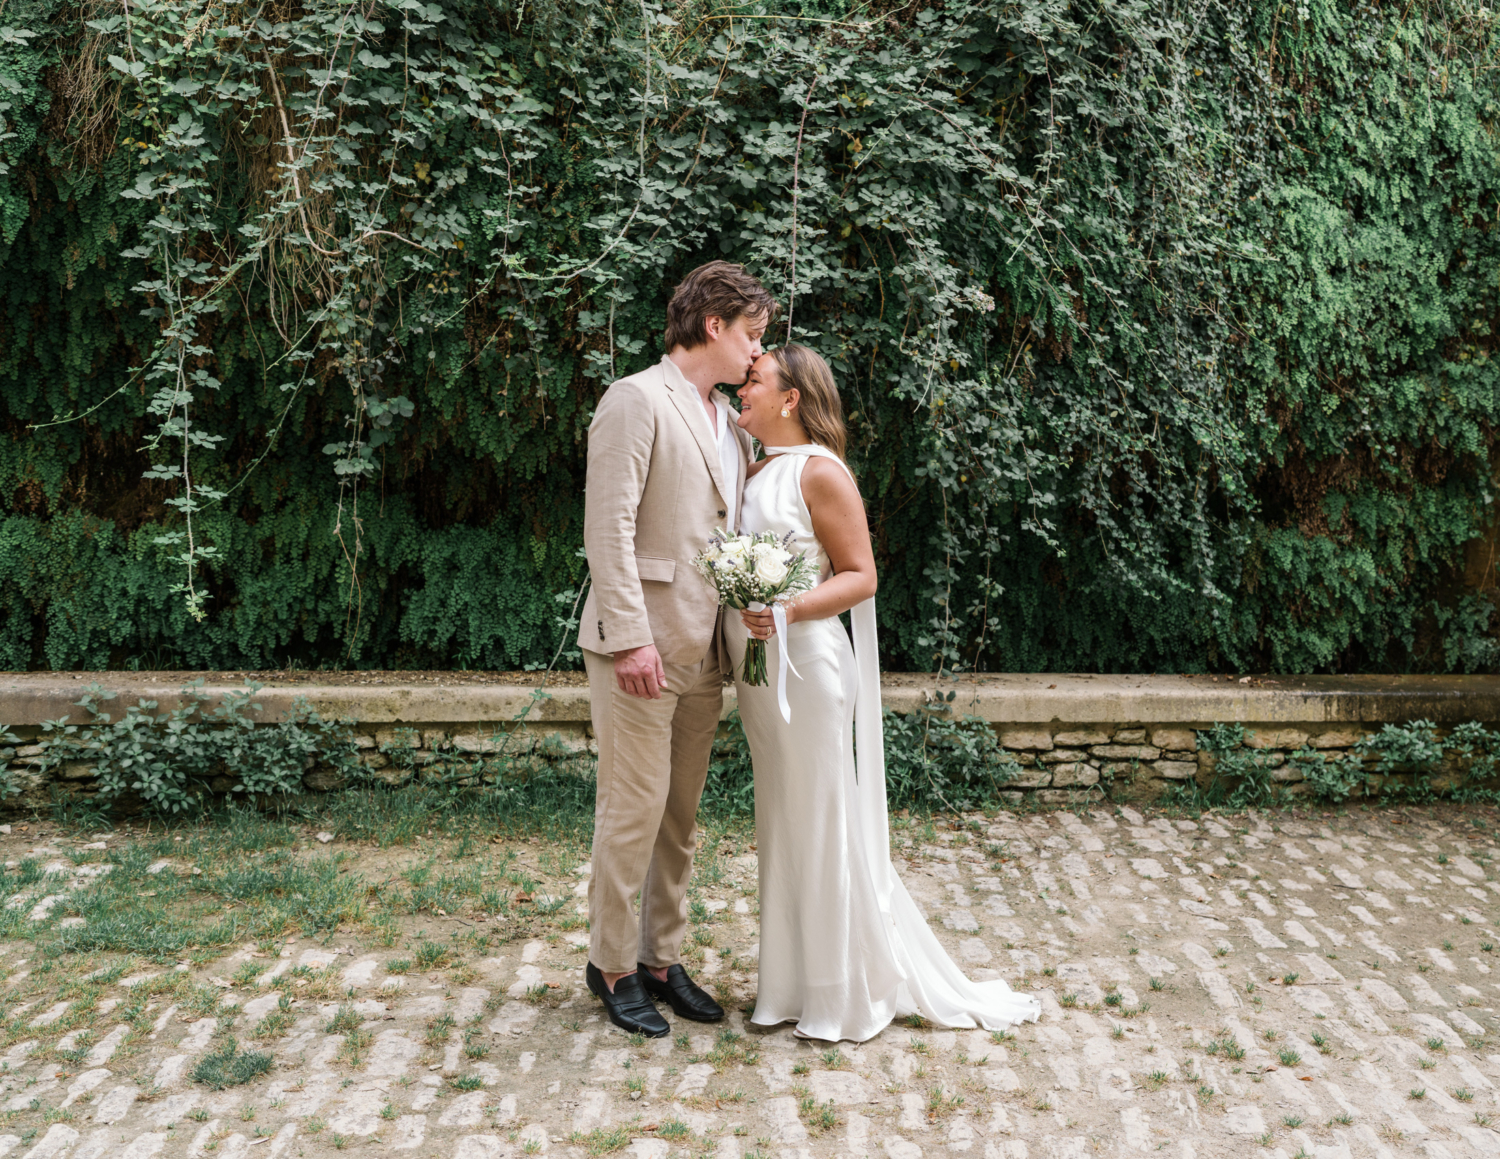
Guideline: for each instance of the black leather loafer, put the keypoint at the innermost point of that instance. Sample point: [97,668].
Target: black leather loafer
[687,998]
[628,1006]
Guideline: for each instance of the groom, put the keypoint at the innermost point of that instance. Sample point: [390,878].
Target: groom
[666,466]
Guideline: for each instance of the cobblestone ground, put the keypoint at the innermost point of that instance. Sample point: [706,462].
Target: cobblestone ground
[1319,986]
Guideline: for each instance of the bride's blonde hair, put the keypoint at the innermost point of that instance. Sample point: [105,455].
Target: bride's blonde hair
[803,369]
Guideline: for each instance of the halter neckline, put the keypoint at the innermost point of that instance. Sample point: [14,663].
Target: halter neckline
[812,450]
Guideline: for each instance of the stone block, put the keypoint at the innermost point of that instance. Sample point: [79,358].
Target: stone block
[323,779]
[1287,773]
[1125,752]
[392,775]
[34,788]
[1062,796]
[1032,778]
[1174,738]
[1026,738]
[1130,736]
[1179,755]
[1342,738]
[361,741]
[76,771]
[434,738]
[27,751]
[374,761]
[1175,770]
[398,737]
[1118,769]
[1059,756]
[1275,738]
[566,743]
[1074,774]
[1146,786]
[1082,736]
[481,743]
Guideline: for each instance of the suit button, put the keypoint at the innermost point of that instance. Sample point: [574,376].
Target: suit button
[721,515]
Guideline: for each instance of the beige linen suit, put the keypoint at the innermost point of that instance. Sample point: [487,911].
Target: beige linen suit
[655,494]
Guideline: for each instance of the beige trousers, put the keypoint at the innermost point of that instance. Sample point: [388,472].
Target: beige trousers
[653,760]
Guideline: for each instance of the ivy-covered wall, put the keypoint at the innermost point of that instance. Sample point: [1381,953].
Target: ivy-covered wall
[1165,327]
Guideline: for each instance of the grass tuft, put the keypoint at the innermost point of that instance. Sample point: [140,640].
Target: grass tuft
[601,1141]
[230,1067]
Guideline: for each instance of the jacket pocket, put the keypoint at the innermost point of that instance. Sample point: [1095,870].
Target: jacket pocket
[651,567]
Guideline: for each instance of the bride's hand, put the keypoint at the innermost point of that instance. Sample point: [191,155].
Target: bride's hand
[760,624]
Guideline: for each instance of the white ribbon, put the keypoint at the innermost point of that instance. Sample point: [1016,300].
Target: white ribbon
[783,661]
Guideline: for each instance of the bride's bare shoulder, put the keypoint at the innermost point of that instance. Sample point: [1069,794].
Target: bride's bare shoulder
[826,481]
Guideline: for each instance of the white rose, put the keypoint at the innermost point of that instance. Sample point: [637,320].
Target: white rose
[734,549]
[770,570]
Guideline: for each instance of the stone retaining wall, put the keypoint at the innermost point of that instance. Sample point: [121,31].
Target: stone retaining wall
[1129,736]
[1131,762]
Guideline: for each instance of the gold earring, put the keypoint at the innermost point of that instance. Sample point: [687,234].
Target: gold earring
[786,414]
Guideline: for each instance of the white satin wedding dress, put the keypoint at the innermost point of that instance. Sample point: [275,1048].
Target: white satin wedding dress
[843,948]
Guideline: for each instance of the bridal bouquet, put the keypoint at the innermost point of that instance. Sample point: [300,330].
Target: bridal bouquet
[754,571]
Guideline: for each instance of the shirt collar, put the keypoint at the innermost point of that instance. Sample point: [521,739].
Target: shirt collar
[677,380]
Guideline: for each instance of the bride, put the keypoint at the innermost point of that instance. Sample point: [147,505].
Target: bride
[843,949]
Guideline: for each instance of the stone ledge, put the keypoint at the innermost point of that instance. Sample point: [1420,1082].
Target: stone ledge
[27,699]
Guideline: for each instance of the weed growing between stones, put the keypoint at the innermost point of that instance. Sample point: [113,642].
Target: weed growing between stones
[601,1141]
[819,1118]
[230,1067]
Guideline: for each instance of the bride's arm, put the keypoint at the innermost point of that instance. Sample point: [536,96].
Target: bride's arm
[839,522]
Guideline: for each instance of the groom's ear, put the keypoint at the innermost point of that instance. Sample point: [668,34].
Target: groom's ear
[713,327]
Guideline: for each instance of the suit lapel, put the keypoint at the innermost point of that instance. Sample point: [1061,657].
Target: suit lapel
[689,405]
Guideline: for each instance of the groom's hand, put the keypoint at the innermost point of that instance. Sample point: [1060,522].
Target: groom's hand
[640,672]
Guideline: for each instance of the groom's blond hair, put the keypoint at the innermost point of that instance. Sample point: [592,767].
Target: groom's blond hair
[819,407]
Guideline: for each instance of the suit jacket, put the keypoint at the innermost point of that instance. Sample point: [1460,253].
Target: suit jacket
[655,493]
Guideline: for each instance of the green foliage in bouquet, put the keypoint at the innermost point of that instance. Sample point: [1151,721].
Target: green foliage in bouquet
[1165,329]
